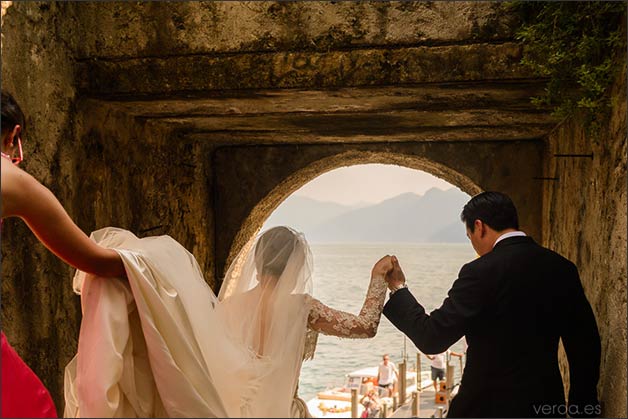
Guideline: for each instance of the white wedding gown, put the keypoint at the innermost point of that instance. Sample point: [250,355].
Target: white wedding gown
[162,344]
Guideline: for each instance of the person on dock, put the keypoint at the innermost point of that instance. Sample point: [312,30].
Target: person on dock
[439,364]
[371,404]
[387,374]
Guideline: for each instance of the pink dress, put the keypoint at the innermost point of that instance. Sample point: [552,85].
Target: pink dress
[23,394]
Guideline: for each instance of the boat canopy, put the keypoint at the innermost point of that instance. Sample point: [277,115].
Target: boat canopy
[370,372]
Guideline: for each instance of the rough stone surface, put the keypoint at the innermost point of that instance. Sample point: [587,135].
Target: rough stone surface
[144,178]
[584,219]
[359,67]
[192,46]
[443,112]
[149,29]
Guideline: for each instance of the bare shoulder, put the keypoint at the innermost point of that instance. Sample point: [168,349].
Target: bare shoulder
[17,189]
[13,176]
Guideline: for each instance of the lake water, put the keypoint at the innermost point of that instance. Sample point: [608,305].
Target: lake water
[341,278]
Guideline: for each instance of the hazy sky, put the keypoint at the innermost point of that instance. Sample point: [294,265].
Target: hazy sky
[369,183]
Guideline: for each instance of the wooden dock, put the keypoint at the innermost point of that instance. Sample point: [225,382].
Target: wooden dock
[420,397]
[427,406]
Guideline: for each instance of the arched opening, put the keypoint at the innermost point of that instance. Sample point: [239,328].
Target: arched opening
[374,203]
[283,189]
[431,260]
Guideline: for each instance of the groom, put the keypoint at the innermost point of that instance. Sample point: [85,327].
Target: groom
[513,304]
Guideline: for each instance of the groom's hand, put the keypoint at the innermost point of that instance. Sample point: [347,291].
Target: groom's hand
[395,277]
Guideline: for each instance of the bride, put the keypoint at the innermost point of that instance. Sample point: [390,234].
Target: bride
[162,344]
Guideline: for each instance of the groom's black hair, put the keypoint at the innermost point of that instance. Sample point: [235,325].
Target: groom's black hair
[492,208]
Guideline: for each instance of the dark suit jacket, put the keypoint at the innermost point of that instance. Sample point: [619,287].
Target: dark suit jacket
[512,304]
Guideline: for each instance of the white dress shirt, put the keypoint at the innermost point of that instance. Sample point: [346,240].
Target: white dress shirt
[507,235]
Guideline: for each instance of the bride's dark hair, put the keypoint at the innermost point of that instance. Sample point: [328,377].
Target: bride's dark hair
[12,114]
[273,250]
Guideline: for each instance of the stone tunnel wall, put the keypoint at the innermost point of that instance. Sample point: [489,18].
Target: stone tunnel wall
[143,177]
[585,220]
[165,29]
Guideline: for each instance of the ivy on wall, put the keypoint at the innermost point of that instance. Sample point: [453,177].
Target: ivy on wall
[579,47]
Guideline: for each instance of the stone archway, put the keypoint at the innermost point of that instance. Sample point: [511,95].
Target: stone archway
[253,223]
[264,190]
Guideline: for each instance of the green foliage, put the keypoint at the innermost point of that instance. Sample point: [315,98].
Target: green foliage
[579,46]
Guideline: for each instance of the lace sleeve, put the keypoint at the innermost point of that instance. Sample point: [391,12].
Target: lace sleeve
[328,321]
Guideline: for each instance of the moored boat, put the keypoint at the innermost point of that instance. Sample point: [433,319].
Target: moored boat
[336,402]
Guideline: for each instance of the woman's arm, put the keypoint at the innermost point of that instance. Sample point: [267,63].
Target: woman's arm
[328,321]
[26,198]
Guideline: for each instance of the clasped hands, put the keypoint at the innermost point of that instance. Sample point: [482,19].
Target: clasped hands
[389,268]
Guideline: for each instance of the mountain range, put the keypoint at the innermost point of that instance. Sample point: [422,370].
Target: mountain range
[433,217]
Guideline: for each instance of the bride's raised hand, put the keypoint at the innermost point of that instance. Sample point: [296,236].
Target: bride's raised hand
[383,266]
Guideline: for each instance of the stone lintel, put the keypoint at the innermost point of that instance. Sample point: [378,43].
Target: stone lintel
[301,69]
